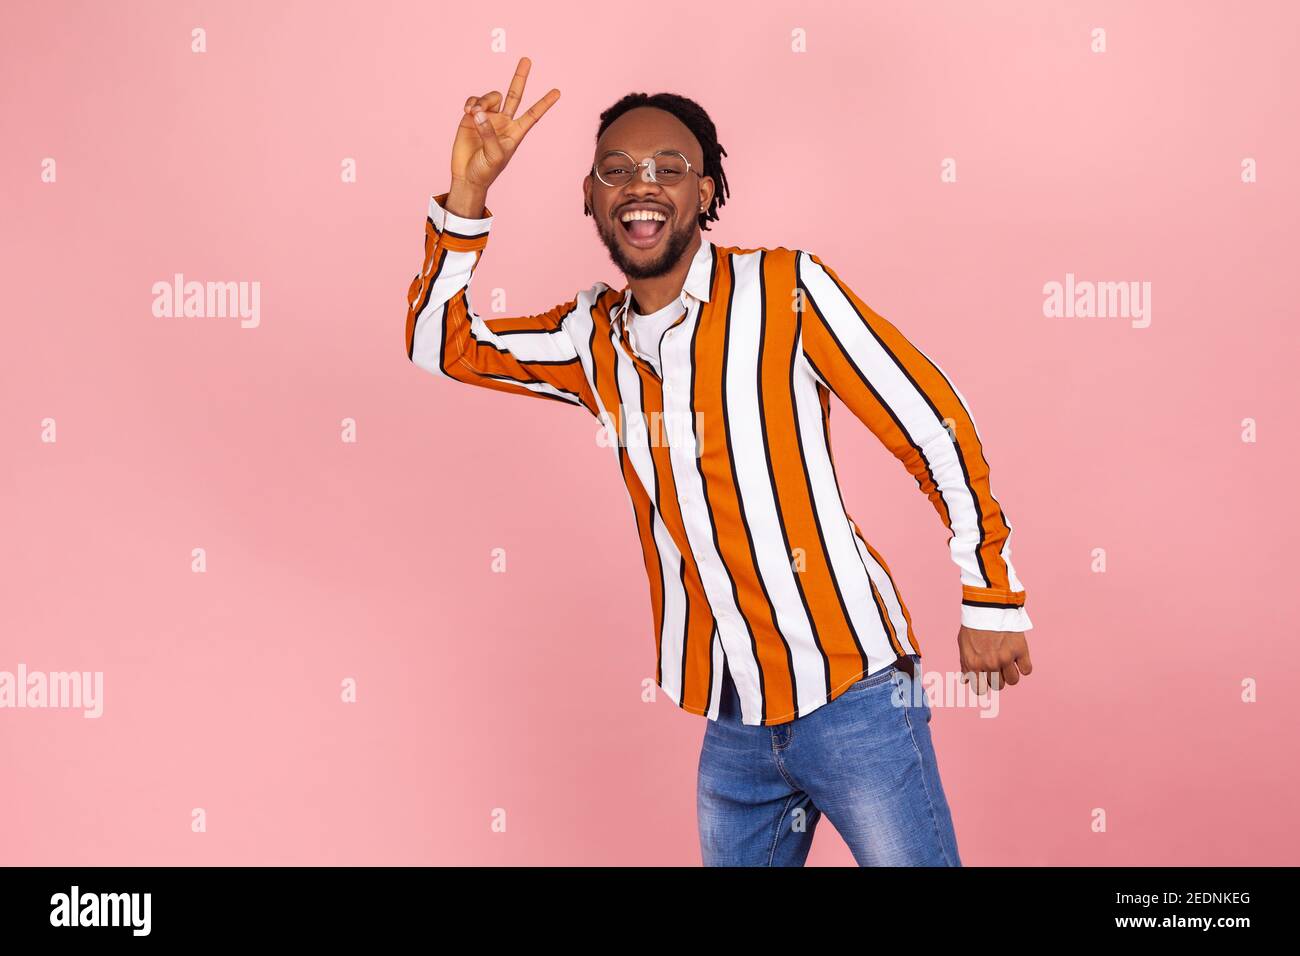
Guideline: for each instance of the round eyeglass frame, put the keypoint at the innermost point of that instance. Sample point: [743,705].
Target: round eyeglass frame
[649,163]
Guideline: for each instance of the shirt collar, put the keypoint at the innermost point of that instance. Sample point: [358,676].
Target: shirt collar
[698,280]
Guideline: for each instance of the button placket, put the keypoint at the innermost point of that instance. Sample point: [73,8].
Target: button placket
[668,388]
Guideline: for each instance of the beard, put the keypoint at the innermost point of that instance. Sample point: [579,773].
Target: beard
[670,251]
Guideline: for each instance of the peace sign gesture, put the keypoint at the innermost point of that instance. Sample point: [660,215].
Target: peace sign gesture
[489,133]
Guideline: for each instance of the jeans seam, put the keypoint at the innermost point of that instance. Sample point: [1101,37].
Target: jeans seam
[780,767]
[776,836]
[925,782]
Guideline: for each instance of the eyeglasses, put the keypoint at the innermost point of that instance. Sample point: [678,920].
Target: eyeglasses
[667,167]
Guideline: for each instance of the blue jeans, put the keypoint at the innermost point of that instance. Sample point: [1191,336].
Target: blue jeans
[865,760]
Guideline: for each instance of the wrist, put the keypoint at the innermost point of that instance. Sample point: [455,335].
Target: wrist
[466,200]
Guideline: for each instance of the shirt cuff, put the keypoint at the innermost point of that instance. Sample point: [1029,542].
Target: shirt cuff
[445,221]
[993,609]
[995,618]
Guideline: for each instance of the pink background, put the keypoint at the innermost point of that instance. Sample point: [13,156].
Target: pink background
[521,690]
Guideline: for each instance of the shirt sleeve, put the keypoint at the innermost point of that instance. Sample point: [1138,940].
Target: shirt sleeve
[910,404]
[525,355]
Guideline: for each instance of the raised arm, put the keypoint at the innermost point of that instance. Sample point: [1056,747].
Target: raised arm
[909,403]
[528,355]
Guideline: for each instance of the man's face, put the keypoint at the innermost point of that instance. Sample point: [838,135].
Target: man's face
[640,133]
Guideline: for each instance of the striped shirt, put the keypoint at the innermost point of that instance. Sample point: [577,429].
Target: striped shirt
[749,551]
[645,332]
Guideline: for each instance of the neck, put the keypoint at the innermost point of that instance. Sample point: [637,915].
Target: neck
[651,295]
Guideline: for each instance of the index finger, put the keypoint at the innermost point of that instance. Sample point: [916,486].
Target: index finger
[516,92]
[537,111]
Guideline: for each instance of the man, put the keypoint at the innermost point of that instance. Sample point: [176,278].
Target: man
[713,368]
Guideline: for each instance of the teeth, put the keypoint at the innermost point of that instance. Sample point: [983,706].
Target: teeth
[643,214]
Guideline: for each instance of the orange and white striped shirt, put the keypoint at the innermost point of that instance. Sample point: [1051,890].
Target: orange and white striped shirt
[748,548]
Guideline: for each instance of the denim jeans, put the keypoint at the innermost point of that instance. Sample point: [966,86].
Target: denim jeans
[865,760]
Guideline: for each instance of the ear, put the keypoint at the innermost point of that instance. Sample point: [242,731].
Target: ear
[707,188]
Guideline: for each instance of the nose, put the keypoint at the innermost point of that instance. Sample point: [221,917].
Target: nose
[641,185]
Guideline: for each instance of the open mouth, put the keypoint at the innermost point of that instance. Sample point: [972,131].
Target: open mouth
[643,228]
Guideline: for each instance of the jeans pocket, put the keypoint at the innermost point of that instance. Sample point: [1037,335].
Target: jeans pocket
[912,689]
[883,676]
